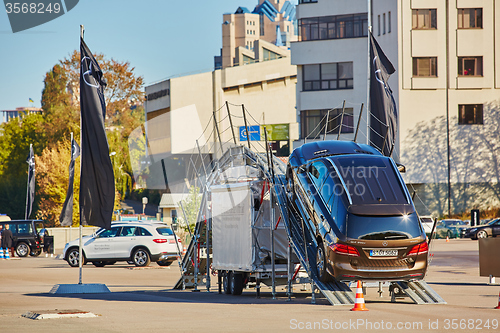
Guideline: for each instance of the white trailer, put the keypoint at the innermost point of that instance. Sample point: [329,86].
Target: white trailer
[243,229]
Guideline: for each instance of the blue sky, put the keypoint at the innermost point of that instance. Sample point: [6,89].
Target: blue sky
[160,38]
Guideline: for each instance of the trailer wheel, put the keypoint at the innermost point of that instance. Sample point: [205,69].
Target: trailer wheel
[236,283]
[225,282]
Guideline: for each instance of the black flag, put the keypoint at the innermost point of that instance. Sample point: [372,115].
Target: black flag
[66,217]
[384,117]
[30,195]
[97,182]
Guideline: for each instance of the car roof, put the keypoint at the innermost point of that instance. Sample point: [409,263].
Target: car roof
[20,221]
[313,150]
[139,223]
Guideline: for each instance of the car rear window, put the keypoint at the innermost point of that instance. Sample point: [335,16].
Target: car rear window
[383,228]
[164,231]
[371,180]
[142,232]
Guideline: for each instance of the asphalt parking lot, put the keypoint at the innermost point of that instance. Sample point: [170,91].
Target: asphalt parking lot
[143,299]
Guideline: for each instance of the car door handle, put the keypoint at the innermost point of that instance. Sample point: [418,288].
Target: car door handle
[322,217]
[308,192]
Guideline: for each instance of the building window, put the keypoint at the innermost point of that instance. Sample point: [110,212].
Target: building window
[333,27]
[384,23]
[425,66]
[469,18]
[470,114]
[261,24]
[379,25]
[470,66]
[389,23]
[269,55]
[424,19]
[312,122]
[327,76]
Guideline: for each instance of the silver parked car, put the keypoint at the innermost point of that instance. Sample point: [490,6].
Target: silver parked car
[137,242]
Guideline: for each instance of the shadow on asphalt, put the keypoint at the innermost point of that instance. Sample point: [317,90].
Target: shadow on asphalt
[191,297]
[459,283]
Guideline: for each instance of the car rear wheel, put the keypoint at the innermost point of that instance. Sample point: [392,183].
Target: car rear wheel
[35,253]
[22,249]
[141,258]
[482,234]
[321,263]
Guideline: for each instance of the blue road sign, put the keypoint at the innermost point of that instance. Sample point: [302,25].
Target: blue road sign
[254,133]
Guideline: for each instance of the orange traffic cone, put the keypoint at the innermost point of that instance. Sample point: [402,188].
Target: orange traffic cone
[498,306]
[359,303]
[447,239]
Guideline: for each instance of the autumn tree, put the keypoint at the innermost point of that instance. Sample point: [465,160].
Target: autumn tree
[52,178]
[60,111]
[123,88]
[124,111]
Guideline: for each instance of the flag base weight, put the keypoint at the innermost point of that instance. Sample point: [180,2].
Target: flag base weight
[90,288]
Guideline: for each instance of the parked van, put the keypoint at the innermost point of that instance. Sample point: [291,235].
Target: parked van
[356,207]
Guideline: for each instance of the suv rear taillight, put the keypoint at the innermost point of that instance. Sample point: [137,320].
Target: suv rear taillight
[419,249]
[160,240]
[345,250]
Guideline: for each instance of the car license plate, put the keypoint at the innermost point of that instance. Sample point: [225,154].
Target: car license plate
[383,253]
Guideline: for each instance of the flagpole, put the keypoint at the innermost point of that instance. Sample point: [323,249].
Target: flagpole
[80,250]
[27,188]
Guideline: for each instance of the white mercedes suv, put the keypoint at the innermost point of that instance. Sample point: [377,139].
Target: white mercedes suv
[134,242]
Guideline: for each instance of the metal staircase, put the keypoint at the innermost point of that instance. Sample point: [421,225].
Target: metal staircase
[304,245]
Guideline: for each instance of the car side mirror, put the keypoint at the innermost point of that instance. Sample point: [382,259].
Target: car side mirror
[401,167]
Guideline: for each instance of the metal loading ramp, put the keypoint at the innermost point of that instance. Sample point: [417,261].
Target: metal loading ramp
[419,291]
[304,245]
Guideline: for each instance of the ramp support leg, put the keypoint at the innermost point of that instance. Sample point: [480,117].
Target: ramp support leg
[289,272]
[313,293]
[257,287]
[219,281]
[196,266]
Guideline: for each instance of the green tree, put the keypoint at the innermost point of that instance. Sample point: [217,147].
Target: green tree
[191,207]
[15,139]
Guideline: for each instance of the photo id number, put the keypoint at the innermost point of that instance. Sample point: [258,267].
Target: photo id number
[32,8]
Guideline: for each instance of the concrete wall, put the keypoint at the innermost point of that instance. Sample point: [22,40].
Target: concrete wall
[65,235]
